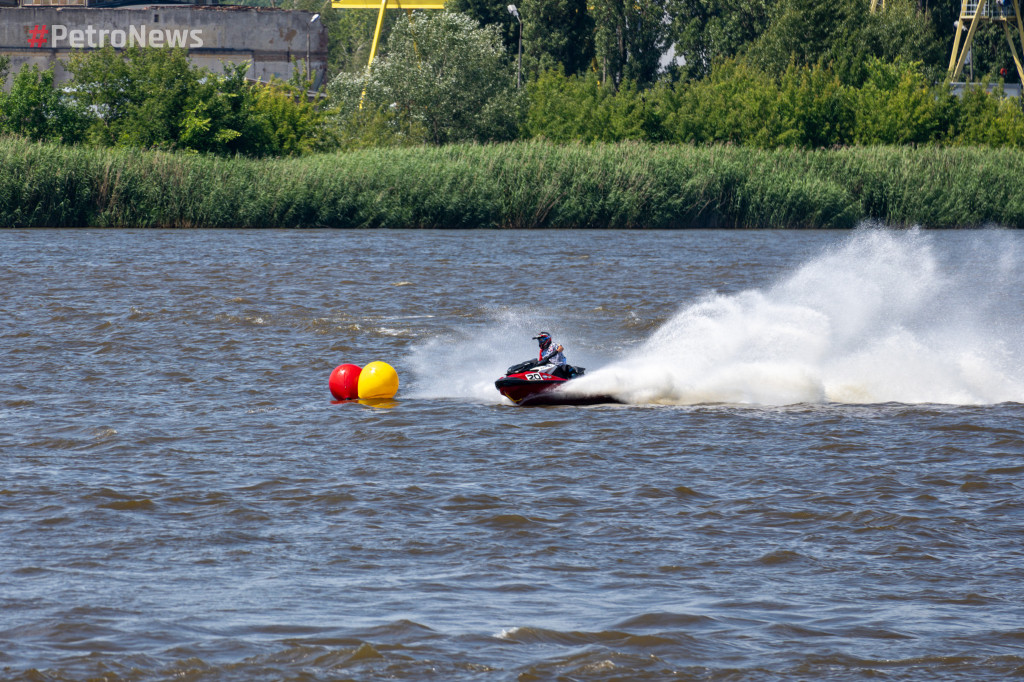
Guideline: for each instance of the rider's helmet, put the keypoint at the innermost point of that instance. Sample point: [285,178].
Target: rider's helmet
[543,339]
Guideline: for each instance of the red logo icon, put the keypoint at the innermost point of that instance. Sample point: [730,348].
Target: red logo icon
[38,36]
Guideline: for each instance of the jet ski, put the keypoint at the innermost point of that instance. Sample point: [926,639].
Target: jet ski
[536,383]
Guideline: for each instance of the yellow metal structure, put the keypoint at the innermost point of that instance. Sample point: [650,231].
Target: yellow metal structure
[383,5]
[392,4]
[974,12]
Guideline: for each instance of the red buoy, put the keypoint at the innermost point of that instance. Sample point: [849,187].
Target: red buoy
[344,382]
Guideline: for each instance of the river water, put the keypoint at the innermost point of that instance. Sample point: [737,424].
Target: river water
[817,472]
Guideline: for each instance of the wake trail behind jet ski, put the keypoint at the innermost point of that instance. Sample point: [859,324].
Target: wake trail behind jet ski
[883,317]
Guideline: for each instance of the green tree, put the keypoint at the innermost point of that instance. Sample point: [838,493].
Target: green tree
[443,73]
[154,98]
[988,119]
[562,108]
[350,35]
[902,32]
[289,122]
[705,32]
[372,127]
[491,13]
[735,104]
[140,98]
[35,109]
[806,32]
[630,38]
[557,34]
[804,107]
[844,34]
[581,108]
[897,104]
[814,110]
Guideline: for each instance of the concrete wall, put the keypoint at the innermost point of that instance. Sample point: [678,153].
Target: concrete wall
[1009,89]
[268,39]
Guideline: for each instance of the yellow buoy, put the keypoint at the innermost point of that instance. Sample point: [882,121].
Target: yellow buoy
[378,380]
[379,403]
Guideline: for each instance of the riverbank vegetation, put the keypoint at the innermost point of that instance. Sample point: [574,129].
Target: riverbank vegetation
[155,99]
[513,185]
[777,113]
[801,75]
[421,94]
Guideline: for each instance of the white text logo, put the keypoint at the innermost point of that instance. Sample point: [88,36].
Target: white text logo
[135,36]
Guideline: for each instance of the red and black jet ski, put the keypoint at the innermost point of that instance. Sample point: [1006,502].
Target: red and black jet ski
[535,383]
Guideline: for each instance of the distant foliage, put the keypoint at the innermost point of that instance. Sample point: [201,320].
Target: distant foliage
[898,105]
[983,119]
[155,99]
[707,32]
[557,34]
[36,109]
[805,106]
[582,109]
[630,38]
[763,74]
[491,13]
[374,126]
[443,77]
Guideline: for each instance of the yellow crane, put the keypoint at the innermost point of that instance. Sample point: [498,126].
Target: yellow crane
[972,13]
[383,5]
[975,12]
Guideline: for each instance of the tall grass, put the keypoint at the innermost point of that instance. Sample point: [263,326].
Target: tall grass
[526,185]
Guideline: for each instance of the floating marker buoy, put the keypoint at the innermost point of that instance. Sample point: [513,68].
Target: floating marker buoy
[378,380]
[344,382]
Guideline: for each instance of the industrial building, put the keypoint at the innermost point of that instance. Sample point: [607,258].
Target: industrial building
[273,42]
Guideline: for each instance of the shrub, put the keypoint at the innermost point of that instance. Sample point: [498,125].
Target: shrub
[442,74]
[153,98]
[37,110]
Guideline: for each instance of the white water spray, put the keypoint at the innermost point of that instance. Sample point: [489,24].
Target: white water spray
[879,319]
[465,363]
[883,317]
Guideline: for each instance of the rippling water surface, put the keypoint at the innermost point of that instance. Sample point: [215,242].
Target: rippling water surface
[817,473]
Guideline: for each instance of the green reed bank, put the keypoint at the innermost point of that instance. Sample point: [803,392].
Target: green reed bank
[516,185]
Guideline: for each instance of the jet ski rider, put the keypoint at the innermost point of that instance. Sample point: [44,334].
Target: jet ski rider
[551,353]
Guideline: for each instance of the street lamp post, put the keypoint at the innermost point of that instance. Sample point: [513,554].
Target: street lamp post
[308,26]
[519,63]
